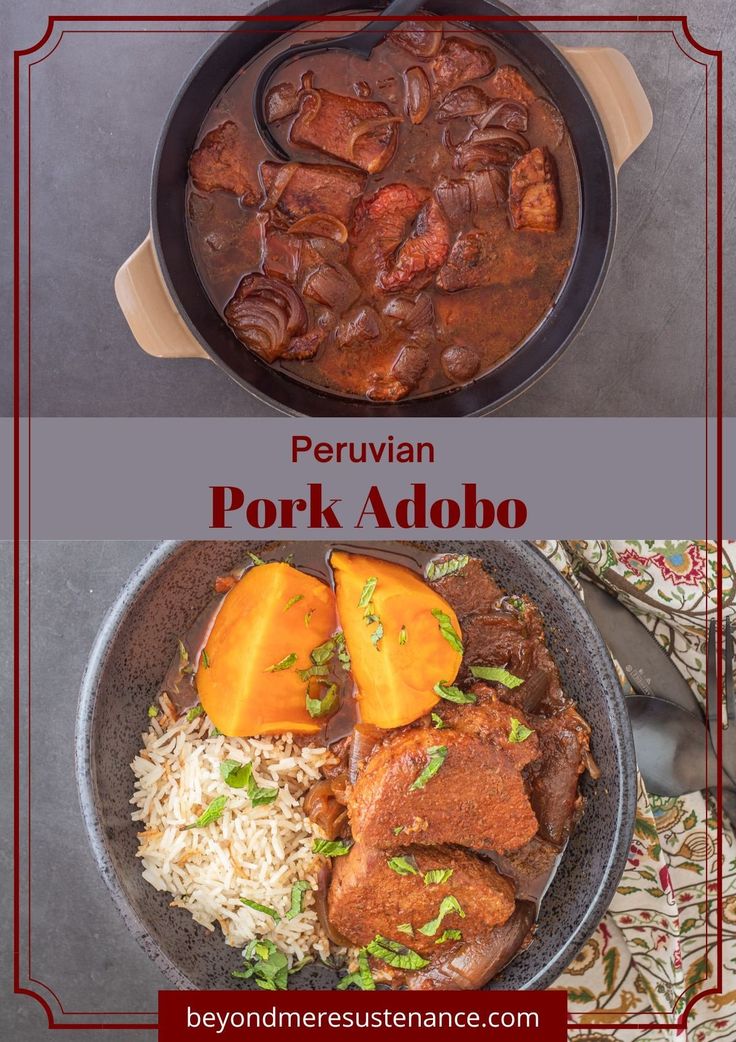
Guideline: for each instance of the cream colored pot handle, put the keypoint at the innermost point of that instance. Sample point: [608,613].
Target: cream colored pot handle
[618,96]
[149,310]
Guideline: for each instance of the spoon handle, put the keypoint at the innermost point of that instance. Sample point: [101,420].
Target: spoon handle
[365,39]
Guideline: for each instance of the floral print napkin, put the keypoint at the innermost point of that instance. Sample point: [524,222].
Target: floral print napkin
[656,947]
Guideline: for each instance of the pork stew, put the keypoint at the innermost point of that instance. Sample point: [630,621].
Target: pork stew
[421,230]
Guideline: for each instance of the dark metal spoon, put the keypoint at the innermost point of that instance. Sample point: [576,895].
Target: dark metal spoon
[673,749]
[361,42]
[672,740]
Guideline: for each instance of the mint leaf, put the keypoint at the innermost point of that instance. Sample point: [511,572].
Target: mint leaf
[447,630]
[519,732]
[322,654]
[437,875]
[445,566]
[212,813]
[437,755]
[235,774]
[298,891]
[402,866]
[240,775]
[286,663]
[449,904]
[497,675]
[368,591]
[395,954]
[330,847]
[449,935]
[453,694]
[317,707]
[265,909]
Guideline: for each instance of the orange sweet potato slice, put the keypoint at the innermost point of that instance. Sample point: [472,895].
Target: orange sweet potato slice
[397,646]
[268,625]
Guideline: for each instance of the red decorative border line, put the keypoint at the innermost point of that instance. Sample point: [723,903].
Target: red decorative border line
[20,475]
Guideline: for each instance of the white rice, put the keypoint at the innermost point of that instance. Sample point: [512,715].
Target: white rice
[251,852]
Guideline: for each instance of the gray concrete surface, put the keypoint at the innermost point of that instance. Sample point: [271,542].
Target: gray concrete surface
[80,947]
[98,105]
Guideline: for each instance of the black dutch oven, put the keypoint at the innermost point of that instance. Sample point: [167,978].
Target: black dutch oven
[170,314]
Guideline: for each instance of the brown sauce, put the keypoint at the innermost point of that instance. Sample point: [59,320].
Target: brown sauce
[353,334]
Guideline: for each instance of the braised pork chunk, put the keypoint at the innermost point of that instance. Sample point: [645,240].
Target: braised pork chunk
[477,799]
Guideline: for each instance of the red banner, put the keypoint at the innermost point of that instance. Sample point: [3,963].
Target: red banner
[499,1016]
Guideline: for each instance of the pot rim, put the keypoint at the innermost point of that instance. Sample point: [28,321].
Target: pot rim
[132,589]
[431,405]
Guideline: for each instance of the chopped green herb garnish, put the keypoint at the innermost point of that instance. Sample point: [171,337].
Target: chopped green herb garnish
[330,847]
[364,971]
[258,948]
[153,711]
[437,875]
[308,617]
[255,559]
[397,830]
[497,675]
[317,707]
[448,904]
[194,712]
[451,693]
[286,663]
[313,671]
[402,866]
[298,891]
[436,757]
[447,630]
[240,776]
[519,732]
[438,722]
[406,928]
[215,732]
[204,658]
[343,655]
[293,600]
[368,591]
[266,965]
[235,773]
[266,909]
[212,813]
[517,602]
[449,935]
[403,635]
[362,978]
[396,954]
[323,653]
[377,634]
[446,566]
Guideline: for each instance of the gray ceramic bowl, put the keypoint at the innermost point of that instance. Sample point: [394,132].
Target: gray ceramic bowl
[130,656]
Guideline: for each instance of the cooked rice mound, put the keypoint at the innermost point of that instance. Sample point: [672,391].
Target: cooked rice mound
[251,852]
